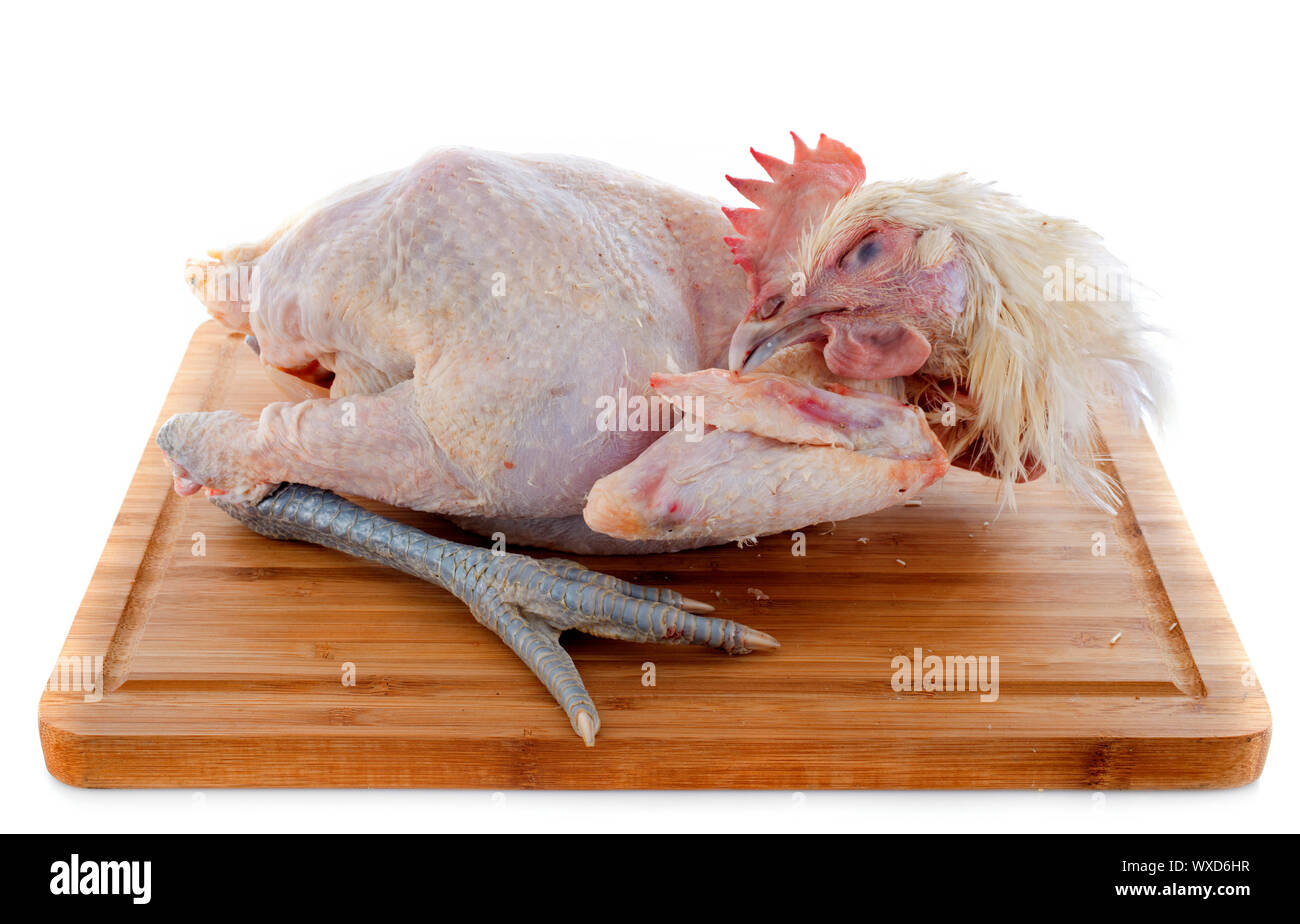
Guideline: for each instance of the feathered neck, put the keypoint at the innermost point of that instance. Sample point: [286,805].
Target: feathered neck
[1047,335]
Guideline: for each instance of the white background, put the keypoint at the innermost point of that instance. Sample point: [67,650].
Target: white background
[135,138]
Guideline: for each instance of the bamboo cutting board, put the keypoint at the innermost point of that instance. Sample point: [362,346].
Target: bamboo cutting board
[1118,666]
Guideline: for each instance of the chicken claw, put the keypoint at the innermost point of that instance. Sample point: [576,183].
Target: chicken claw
[525,601]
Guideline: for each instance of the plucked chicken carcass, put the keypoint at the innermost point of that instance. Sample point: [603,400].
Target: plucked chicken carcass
[449,331]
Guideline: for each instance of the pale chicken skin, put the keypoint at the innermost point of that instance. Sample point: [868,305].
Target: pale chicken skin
[509,294]
[467,316]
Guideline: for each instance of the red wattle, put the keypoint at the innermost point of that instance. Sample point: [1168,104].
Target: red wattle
[862,348]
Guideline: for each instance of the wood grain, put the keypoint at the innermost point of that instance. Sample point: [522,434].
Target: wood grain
[230,663]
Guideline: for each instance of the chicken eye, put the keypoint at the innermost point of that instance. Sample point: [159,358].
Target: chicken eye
[862,253]
[770,307]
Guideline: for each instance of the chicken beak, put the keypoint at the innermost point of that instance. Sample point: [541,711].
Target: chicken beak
[754,340]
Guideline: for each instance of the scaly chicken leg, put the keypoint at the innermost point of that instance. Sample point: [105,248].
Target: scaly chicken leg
[526,602]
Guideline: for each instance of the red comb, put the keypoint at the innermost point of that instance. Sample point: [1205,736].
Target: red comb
[798,194]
